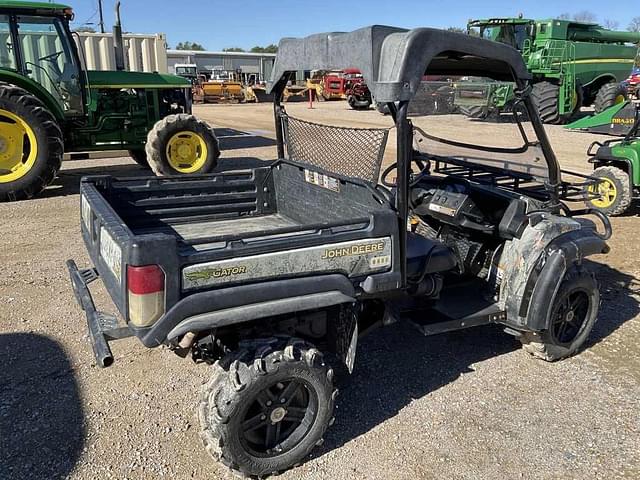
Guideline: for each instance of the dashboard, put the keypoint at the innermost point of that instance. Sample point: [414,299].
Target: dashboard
[459,203]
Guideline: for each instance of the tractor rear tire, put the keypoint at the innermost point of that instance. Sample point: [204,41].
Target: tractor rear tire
[356,104]
[572,314]
[27,176]
[616,192]
[545,96]
[267,406]
[140,157]
[182,145]
[477,111]
[608,95]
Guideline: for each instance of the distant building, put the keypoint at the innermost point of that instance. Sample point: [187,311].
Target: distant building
[248,64]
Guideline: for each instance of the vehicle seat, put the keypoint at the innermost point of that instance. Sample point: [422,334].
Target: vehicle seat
[426,256]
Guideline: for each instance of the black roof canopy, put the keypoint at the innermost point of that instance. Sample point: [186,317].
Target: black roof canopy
[394,60]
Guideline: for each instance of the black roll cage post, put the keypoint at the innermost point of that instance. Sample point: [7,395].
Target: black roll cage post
[404,148]
[278,109]
[555,176]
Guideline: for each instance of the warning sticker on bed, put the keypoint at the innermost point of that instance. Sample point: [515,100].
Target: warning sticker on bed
[322,180]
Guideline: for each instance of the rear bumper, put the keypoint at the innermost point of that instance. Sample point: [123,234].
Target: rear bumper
[102,326]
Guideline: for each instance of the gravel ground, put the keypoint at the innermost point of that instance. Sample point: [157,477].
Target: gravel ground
[469,404]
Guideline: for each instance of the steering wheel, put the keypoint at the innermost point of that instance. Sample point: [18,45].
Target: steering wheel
[51,57]
[422,166]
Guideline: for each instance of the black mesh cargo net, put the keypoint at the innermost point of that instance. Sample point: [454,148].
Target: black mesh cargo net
[345,151]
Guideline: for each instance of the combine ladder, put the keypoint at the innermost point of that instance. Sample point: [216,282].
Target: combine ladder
[559,62]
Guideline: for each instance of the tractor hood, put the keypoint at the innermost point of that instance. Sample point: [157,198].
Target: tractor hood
[115,79]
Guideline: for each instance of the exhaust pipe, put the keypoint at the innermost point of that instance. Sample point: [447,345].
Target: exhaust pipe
[118,43]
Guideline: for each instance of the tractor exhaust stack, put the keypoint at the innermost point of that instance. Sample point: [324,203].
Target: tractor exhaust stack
[118,43]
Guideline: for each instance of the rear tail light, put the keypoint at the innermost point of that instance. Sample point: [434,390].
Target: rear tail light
[146,287]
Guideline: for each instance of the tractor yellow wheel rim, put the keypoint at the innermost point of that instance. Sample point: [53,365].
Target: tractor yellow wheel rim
[187,152]
[607,192]
[18,147]
[619,99]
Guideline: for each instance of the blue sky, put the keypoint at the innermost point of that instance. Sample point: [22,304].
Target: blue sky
[245,23]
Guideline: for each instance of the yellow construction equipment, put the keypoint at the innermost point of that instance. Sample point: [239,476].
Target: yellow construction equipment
[223,86]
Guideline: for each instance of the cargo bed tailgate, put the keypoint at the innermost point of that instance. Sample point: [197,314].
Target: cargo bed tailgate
[108,241]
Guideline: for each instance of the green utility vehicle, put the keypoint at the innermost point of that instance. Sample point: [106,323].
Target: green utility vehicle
[573,64]
[617,164]
[50,104]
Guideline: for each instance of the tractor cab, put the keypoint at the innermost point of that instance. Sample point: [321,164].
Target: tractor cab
[36,43]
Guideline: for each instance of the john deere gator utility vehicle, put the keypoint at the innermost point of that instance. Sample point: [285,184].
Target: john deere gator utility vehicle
[573,64]
[269,276]
[49,104]
[616,163]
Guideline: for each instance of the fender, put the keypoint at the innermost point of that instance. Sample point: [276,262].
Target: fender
[548,239]
[244,303]
[34,88]
[566,250]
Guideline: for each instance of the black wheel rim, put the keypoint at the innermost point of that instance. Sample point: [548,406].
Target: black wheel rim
[279,418]
[570,314]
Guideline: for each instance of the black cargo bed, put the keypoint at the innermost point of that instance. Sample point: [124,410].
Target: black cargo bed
[225,210]
[207,229]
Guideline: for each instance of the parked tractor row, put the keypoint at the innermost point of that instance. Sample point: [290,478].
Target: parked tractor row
[225,86]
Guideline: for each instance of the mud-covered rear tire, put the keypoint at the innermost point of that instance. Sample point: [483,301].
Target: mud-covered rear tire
[22,108]
[572,315]
[182,145]
[267,406]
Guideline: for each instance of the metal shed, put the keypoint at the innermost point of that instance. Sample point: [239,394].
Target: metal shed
[260,64]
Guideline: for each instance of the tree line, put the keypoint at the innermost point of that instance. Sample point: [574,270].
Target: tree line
[198,47]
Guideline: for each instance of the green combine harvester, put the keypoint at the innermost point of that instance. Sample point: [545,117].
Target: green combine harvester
[573,64]
[50,104]
[620,118]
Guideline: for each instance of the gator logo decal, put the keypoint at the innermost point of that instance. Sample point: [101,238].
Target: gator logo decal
[210,273]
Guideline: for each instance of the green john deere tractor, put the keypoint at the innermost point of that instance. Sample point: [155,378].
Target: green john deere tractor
[573,64]
[50,104]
